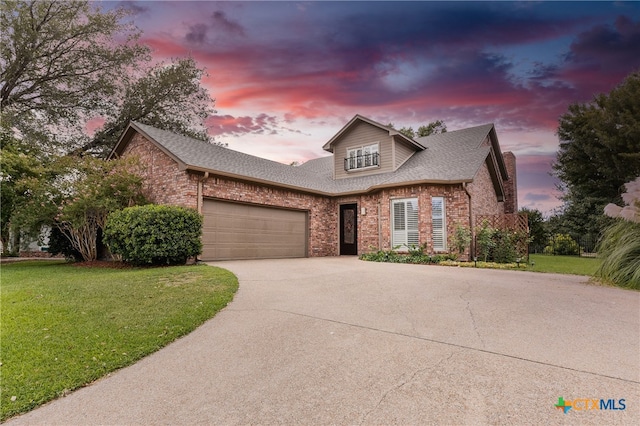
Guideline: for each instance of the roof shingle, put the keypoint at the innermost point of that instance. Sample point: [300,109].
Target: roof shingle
[450,157]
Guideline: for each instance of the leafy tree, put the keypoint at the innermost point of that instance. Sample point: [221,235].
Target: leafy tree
[432,128]
[76,195]
[537,232]
[17,163]
[599,152]
[60,62]
[169,96]
[65,63]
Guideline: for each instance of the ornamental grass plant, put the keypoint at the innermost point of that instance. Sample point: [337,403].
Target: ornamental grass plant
[620,244]
[620,253]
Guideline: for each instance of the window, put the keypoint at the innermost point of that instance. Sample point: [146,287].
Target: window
[404,223]
[438,224]
[362,157]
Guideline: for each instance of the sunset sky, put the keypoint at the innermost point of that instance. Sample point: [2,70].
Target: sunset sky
[286,76]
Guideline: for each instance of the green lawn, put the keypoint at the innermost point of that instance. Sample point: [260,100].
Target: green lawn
[564,264]
[64,326]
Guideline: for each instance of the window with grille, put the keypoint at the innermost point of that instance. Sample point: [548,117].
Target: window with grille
[439,232]
[404,223]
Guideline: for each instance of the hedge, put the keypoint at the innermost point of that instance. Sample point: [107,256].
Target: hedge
[154,234]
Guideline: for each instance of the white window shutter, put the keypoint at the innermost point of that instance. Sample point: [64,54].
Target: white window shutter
[405,231]
[438,224]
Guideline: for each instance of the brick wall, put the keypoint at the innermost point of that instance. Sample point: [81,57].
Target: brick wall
[483,194]
[456,211]
[164,182]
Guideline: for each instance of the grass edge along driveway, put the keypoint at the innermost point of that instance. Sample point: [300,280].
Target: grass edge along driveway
[63,326]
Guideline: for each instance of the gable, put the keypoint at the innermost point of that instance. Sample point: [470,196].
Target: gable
[364,147]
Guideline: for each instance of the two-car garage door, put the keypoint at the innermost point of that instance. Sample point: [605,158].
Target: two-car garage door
[244,231]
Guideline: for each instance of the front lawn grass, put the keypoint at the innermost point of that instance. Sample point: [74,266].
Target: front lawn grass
[564,264]
[64,326]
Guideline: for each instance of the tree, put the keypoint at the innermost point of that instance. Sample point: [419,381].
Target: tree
[76,195]
[537,231]
[61,62]
[432,128]
[167,96]
[65,63]
[17,163]
[599,152]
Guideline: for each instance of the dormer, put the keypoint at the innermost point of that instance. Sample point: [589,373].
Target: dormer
[363,147]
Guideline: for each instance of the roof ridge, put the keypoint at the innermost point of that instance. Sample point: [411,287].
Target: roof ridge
[206,143]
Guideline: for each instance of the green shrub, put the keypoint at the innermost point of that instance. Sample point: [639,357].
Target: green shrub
[562,244]
[154,235]
[417,257]
[461,239]
[504,250]
[484,241]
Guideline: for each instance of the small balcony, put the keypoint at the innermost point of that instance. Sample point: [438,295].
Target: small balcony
[362,161]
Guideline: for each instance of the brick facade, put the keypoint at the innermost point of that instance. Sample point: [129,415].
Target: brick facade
[167,184]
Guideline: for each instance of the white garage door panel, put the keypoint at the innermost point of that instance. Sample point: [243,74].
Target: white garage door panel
[242,231]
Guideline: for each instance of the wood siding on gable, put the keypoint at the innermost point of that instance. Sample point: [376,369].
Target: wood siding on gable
[402,153]
[363,134]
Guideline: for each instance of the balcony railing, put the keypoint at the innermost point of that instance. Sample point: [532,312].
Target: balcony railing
[362,161]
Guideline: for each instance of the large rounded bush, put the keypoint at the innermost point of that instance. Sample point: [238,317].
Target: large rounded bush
[562,244]
[154,235]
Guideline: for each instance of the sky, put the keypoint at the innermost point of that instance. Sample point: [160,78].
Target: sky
[286,76]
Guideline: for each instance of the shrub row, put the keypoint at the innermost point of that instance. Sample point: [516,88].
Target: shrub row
[414,256]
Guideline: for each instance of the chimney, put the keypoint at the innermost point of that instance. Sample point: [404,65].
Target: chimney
[511,184]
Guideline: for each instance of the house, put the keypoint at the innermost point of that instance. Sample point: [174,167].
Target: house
[377,190]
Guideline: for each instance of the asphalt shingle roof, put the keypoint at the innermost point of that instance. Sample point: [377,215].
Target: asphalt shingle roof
[450,157]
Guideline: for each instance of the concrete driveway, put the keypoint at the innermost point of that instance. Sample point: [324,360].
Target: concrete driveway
[341,341]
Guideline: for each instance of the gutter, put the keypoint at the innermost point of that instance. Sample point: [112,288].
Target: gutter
[367,190]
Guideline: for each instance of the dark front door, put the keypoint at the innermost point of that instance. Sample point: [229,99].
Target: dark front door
[349,229]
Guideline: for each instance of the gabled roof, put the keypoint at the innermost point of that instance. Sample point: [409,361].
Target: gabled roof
[358,119]
[451,157]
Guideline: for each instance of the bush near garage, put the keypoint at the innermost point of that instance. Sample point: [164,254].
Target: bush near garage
[154,234]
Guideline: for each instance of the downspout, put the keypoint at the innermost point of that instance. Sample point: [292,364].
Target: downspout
[200,201]
[472,249]
[379,226]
